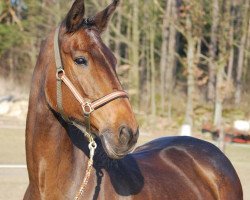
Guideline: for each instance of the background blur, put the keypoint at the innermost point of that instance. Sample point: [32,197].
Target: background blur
[183,63]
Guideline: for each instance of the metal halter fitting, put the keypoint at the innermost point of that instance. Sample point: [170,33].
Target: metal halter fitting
[87,105]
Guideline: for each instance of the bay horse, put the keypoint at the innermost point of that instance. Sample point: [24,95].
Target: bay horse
[75,90]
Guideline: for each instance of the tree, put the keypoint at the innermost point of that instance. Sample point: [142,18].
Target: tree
[213,50]
[242,47]
[165,49]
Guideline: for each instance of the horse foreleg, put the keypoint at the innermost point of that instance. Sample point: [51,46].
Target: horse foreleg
[31,194]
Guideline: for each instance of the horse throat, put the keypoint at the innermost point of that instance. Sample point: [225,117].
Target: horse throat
[56,152]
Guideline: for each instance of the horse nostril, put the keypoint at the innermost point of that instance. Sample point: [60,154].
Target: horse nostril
[137,133]
[125,135]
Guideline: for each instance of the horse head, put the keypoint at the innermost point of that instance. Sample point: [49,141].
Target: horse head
[91,67]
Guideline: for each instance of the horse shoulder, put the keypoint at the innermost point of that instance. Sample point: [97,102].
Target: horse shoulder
[197,167]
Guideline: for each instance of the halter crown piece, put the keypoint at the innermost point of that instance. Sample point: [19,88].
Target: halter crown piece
[87,106]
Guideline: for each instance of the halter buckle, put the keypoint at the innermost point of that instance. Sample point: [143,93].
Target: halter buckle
[59,74]
[87,108]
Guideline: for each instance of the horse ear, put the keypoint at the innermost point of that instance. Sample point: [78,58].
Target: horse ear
[102,18]
[75,17]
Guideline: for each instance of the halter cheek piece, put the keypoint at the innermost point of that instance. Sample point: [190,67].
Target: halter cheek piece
[87,105]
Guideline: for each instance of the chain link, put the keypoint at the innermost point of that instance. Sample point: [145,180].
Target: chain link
[92,147]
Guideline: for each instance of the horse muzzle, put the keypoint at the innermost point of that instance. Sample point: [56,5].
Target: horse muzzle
[117,148]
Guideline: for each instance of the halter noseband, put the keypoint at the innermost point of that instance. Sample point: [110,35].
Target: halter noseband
[87,105]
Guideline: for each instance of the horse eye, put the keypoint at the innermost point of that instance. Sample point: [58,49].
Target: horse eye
[81,61]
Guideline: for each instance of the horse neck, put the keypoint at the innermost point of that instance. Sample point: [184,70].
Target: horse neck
[48,136]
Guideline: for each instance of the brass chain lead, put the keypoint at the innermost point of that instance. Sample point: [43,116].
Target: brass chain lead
[92,147]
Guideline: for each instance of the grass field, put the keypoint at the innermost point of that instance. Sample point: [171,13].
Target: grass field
[13,182]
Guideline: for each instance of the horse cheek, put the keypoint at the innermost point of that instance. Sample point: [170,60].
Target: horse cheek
[50,88]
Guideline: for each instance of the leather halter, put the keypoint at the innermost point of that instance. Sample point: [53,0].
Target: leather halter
[87,105]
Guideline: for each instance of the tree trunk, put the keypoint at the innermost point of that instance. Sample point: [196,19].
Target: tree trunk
[241,55]
[148,84]
[231,57]
[134,72]
[164,51]
[247,65]
[117,41]
[218,98]
[218,119]
[145,74]
[213,51]
[190,82]
[190,70]
[171,59]
[152,63]
[231,43]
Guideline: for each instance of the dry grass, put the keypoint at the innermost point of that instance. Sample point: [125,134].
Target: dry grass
[14,181]
[9,87]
